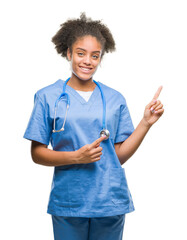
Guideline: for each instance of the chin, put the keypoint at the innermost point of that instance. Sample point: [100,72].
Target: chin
[83,78]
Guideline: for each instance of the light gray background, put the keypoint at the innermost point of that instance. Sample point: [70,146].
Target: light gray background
[151,51]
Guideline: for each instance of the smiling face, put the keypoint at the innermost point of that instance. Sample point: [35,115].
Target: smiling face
[85,57]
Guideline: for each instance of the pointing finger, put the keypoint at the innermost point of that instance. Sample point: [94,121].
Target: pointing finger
[97,141]
[157,92]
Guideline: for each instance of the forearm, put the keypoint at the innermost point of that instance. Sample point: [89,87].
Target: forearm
[48,157]
[131,144]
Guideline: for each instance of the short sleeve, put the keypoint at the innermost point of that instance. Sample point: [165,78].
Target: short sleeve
[125,125]
[38,128]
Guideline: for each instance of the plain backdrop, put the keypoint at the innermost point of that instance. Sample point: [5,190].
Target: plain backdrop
[151,51]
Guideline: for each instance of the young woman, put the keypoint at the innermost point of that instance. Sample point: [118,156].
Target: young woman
[92,135]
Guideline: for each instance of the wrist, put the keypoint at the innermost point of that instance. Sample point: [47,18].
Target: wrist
[145,124]
[76,157]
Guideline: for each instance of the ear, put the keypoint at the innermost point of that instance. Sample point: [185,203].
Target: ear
[68,54]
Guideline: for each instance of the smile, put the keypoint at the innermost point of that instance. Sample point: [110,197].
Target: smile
[84,69]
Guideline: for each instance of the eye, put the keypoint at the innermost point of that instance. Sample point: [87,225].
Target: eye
[80,54]
[95,56]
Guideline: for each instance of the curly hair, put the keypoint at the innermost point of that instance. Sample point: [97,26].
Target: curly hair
[73,29]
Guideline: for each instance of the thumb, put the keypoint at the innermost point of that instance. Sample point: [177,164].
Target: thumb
[151,103]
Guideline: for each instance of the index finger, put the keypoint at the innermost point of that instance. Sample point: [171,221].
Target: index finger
[157,92]
[97,141]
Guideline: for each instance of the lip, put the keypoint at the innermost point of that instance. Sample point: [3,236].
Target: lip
[85,69]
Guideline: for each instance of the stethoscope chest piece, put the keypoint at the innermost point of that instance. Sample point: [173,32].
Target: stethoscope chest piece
[105,132]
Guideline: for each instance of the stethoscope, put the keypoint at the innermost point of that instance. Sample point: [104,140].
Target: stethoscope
[103,132]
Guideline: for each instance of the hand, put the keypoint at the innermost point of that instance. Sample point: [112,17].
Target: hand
[154,110]
[90,152]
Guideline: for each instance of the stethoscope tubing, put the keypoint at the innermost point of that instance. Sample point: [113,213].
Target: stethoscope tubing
[104,130]
[104,105]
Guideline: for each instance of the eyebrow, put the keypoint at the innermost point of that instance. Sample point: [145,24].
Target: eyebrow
[85,50]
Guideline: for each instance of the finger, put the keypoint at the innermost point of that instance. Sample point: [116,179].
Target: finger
[97,155]
[97,141]
[153,107]
[153,102]
[97,145]
[97,150]
[160,111]
[96,159]
[160,106]
[157,92]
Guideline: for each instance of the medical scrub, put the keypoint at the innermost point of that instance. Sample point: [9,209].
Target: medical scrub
[75,228]
[92,190]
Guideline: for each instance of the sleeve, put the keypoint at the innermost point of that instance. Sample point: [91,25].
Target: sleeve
[38,128]
[125,125]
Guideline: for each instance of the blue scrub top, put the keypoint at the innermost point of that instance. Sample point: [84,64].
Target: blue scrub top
[95,189]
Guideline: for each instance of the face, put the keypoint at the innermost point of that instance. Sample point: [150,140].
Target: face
[85,57]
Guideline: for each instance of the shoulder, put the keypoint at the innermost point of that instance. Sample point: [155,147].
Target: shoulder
[50,91]
[112,93]
[51,88]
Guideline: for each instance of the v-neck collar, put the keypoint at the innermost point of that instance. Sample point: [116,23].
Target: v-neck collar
[80,98]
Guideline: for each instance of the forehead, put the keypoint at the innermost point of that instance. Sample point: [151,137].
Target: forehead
[89,43]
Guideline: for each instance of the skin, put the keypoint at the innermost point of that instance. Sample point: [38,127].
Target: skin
[153,111]
[85,58]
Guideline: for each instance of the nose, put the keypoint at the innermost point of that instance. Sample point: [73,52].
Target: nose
[87,60]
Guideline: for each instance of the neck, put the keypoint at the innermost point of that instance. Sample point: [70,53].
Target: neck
[82,85]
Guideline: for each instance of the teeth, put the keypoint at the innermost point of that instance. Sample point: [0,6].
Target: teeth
[86,69]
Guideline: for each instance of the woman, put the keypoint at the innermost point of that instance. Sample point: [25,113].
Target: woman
[92,135]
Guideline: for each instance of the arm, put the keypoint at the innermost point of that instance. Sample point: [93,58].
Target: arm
[126,149]
[152,113]
[47,157]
